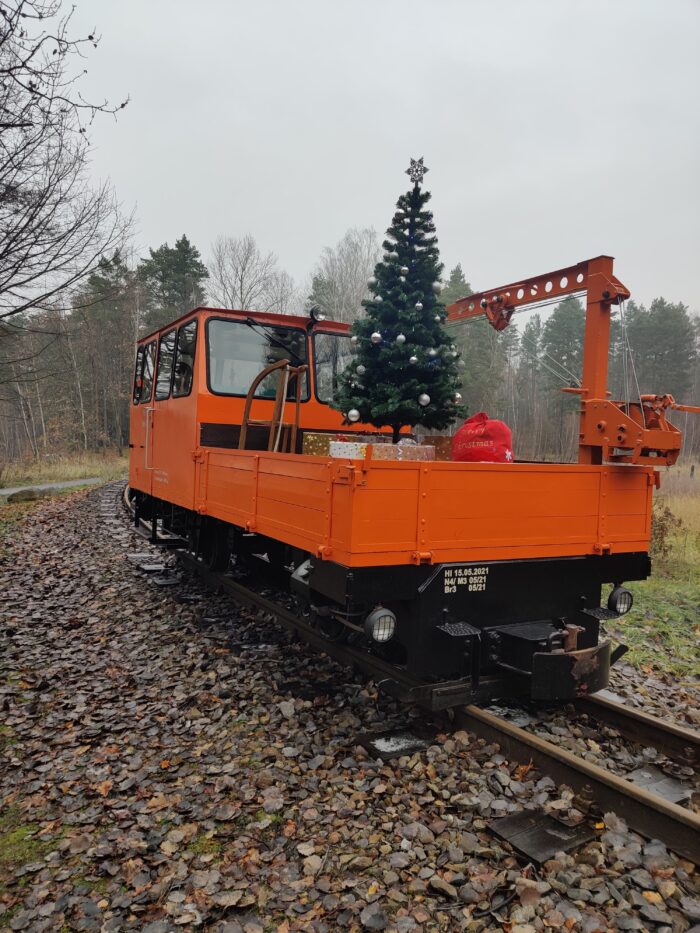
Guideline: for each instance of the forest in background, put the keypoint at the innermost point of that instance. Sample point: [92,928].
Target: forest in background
[73,299]
[65,373]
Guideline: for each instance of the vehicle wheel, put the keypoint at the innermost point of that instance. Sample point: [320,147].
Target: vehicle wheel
[214,546]
[331,629]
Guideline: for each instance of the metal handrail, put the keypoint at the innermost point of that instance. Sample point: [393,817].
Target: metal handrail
[276,424]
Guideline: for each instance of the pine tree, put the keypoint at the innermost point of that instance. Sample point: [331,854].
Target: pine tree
[662,339]
[405,370]
[457,286]
[562,342]
[174,278]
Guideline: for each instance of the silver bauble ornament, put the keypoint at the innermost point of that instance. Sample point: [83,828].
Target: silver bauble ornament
[461,364]
[438,318]
[432,352]
[437,288]
[458,397]
[361,370]
[402,278]
[453,354]
[404,270]
[413,359]
[400,338]
[354,340]
[353,415]
[378,299]
[419,306]
[371,281]
[376,337]
[424,399]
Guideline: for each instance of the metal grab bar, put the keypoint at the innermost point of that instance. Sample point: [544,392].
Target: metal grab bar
[147,445]
[276,424]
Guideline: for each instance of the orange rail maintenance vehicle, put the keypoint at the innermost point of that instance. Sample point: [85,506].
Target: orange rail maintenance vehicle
[475,580]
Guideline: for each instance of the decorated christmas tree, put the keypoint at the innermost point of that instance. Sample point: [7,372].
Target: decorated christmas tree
[405,371]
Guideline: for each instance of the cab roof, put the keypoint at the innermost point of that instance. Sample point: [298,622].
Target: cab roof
[263,317]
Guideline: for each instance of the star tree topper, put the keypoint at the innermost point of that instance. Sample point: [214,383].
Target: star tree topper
[416,171]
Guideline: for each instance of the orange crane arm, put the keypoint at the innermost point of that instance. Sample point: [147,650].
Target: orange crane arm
[498,304]
[620,432]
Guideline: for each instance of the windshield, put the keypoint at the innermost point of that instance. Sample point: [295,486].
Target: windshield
[237,352]
[332,353]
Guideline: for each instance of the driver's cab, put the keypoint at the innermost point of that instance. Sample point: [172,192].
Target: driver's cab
[193,377]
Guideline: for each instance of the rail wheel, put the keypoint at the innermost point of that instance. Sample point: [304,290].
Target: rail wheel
[214,545]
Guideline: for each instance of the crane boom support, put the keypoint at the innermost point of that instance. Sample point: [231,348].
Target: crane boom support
[634,431]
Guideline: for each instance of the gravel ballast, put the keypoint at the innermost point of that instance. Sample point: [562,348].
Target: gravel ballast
[171,761]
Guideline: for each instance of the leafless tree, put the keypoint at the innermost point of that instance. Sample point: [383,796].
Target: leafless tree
[282,295]
[341,274]
[240,275]
[54,225]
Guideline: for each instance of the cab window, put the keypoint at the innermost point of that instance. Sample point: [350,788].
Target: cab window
[184,359]
[332,353]
[165,365]
[149,359]
[138,375]
[237,352]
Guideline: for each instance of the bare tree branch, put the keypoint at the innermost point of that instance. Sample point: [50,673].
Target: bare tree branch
[243,277]
[54,226]
[341,274]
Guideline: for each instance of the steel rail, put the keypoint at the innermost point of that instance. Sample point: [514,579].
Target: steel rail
[393,680]
[676,742]
[646,813]
[389,678]
[378,668]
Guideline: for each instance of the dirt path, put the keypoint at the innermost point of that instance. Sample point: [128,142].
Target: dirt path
[169,762]
[42,487]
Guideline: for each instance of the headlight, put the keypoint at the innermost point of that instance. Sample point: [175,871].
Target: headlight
[620,600]
[380,624]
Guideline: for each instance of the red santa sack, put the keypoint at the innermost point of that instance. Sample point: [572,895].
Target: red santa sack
[483,439]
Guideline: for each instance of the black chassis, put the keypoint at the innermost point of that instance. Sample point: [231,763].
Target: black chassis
[495,627]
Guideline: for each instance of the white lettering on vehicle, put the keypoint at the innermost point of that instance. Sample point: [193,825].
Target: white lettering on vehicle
[473,578]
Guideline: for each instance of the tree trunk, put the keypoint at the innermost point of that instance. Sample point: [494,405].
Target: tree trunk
[79,387]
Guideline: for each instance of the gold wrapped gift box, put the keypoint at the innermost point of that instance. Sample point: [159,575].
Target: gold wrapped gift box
[317,444]
[403,452]
[442,444]
[381,451]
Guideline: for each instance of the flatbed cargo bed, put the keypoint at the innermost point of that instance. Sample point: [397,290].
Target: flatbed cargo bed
[362,513]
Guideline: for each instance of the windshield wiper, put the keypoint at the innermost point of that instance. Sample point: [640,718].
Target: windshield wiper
[275,341]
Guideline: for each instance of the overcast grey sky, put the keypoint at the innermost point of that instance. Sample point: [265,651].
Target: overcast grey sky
[554,130]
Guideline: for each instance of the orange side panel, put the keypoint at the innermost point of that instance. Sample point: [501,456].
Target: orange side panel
[629,497]
[282,496]
[360,513]
[534,507]
[384,510]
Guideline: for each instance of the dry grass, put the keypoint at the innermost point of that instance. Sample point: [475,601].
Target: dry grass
[663,628]
[683,479]
[681,493]
[58,467]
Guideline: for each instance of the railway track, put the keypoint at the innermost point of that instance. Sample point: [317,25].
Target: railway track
[649,814]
